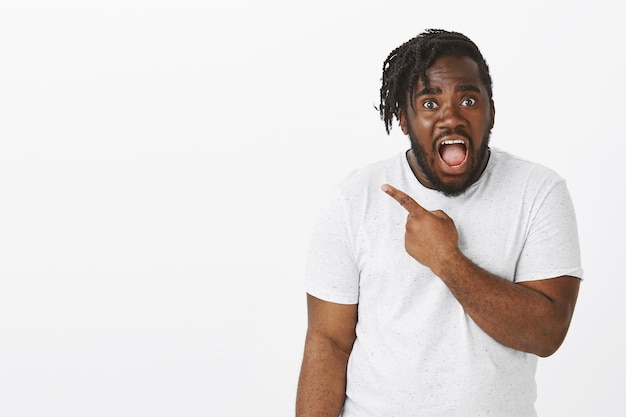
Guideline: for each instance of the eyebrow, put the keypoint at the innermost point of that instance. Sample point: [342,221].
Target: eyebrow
[428,92]
[437,90]
[469,87]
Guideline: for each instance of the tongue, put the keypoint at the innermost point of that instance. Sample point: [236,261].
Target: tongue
[453,154]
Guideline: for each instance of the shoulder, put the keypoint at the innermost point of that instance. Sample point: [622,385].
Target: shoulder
[370,177]
[513,168]
[359,192]
[520,181]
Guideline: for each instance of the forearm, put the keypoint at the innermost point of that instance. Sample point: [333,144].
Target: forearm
[532,316]
[514,315]
[322,383]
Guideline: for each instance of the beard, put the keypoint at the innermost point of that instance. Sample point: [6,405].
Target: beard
[450,190]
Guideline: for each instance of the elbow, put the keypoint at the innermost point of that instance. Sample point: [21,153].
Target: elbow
[543,350]
[549,343]
[546,351]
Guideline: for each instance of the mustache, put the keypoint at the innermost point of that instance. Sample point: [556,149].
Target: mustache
[450,132]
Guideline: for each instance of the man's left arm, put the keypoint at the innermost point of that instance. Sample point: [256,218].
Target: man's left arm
[531,316]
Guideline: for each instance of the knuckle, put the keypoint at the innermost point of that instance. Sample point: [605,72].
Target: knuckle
[405,201]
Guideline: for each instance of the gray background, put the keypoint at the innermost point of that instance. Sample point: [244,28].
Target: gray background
[161,164]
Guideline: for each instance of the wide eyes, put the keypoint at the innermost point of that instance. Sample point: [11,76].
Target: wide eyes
[432,104]
[468,101]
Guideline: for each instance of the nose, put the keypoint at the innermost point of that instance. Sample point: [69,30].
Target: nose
[451,117]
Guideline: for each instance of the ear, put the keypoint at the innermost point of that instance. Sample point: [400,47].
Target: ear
[493,114]
[403,122]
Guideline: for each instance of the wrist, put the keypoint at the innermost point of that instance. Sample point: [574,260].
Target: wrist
[449,264]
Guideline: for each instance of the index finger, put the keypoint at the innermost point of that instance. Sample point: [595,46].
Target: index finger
[404,199]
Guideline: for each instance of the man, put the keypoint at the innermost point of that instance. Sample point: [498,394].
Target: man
[436,295]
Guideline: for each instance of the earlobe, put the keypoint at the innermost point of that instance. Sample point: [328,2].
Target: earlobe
[402,121]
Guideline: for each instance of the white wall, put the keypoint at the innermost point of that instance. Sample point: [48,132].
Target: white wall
[161,163]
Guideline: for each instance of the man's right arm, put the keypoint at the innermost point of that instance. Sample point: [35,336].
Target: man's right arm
[329,339]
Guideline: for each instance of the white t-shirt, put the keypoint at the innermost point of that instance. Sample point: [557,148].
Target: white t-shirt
[417,353]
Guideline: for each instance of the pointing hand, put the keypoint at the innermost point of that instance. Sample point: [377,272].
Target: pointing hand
[431,236]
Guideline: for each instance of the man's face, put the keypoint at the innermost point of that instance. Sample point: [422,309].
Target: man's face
[449,126]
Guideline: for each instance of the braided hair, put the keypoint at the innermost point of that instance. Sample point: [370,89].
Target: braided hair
[408,63]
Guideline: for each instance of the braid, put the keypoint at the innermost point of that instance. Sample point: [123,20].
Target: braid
[408,63]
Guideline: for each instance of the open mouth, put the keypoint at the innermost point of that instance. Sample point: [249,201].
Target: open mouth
[453,152]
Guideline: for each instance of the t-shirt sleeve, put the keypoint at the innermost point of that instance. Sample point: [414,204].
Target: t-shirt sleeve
[331,272]
[552,247]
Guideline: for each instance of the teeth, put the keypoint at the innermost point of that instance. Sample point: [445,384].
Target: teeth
[453,142]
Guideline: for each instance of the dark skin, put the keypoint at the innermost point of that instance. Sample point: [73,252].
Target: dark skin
[454,108]
[529,316]
[329,339]
[533,317]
